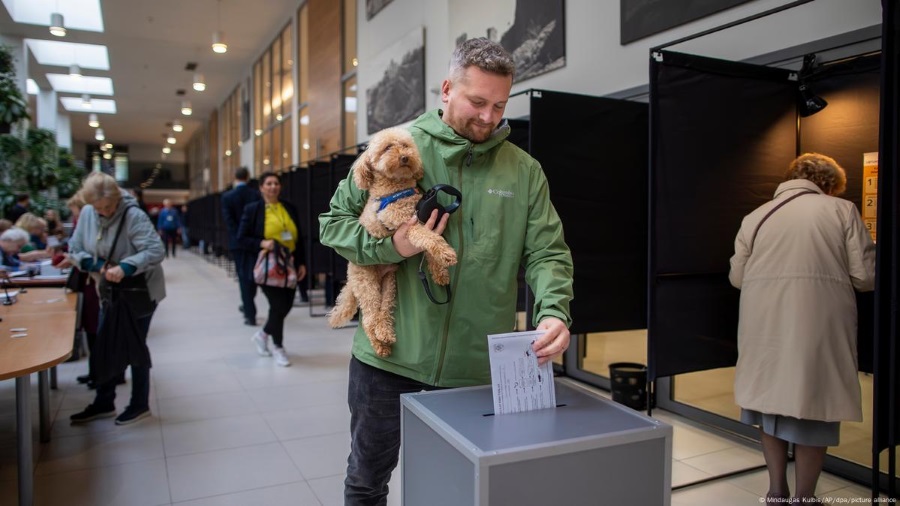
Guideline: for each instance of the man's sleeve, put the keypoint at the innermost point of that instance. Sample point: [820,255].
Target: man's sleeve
[547,259]
[339,228]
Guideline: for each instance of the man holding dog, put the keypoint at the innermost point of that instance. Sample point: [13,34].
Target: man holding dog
[506,220]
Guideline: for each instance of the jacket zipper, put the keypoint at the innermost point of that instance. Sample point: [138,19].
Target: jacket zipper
[454,282]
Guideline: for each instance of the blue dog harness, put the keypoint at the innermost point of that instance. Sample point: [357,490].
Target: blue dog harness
[389,199]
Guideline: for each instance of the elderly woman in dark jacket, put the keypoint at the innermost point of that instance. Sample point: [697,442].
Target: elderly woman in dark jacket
[264,223]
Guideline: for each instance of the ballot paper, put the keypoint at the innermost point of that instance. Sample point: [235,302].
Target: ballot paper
[519,384]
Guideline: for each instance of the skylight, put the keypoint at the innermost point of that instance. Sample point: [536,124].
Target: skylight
[78,14]
[91,85]
[31,87]
[99,105]
[63,54]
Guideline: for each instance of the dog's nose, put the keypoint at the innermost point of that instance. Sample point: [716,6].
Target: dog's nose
[404,159]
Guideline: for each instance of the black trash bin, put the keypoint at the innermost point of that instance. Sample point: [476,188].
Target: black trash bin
[628,384]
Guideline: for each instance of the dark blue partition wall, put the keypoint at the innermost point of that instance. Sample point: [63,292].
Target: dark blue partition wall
[594,153]
[722,134]
[887,289]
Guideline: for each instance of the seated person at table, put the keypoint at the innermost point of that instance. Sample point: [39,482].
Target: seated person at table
[11,243]
[37,230]
[54,225]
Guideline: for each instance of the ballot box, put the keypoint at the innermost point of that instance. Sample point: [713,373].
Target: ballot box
[587,451]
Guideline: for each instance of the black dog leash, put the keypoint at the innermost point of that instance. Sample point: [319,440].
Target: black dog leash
[424,208]
[424,280]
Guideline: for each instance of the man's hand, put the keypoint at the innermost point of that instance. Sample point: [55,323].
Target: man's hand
[401,239]
[267,244]
[554,341]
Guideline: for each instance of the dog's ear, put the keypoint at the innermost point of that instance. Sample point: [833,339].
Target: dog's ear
[362,171]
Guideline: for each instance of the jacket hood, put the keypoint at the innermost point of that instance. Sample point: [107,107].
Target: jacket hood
[432,124]
[127,200]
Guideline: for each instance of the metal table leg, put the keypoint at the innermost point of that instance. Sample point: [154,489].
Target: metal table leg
[44,405]
[53,377]
[23,427]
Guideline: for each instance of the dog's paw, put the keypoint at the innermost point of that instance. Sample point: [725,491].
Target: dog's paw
[441,276]
[382,350]
[448,257]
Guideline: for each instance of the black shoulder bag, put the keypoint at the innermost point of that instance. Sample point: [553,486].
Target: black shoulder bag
[132,289]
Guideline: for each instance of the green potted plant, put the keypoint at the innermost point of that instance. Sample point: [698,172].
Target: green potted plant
[33,164]
[13,106]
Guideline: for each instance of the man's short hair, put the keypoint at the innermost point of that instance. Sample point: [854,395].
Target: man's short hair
[241,174]
[22,197]
[483,53]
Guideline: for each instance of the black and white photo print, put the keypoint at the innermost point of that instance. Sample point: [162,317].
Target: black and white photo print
[533,31]
[373,7]
[399,93]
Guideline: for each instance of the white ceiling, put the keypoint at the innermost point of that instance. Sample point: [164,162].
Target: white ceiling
[149,43]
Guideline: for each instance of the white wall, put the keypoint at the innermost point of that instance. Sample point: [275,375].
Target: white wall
[596,64]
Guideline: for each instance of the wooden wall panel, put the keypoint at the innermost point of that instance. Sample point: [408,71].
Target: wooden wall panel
[325,75]
[212,151]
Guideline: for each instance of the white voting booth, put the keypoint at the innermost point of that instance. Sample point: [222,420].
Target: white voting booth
[588,450]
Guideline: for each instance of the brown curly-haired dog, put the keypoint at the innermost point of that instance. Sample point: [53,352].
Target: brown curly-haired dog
[390,166]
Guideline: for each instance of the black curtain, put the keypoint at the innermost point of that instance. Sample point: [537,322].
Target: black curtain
[594,153]
[340,167]
[722,134]
[886,288]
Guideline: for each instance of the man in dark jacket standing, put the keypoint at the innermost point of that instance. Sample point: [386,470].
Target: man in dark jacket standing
[20,208]
[233,203]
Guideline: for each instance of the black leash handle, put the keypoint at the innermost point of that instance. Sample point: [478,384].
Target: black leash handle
[424,280]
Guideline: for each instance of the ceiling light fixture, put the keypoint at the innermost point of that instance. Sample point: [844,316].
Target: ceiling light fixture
[93,122]
[218,43]
[808,103]
[166,150]
[99,135]
[186,108]
[177,126]
[86,101]
[199,82]
[171,139]
[75,70]
[57,27]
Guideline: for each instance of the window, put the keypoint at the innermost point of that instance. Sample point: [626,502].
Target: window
[274,91]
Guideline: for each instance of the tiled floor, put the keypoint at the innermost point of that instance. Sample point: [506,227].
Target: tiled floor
[231,428]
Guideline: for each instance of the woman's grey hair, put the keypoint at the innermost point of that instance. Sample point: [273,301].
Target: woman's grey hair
[483,53]
[15,235]
[821,170]
[99,185]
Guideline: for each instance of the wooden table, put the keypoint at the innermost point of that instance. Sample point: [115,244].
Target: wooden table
[49,315]
[47,281]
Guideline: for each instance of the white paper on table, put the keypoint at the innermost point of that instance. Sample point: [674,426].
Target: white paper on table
[519,384]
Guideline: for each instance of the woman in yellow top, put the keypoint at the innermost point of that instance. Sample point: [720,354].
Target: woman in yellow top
[264,223]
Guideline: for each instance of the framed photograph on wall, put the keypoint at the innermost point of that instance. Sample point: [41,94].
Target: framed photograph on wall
[642,18]
[533,31]
[399,94]
[373,7]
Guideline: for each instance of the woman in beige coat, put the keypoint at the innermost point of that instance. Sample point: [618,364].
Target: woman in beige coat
[797,261]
